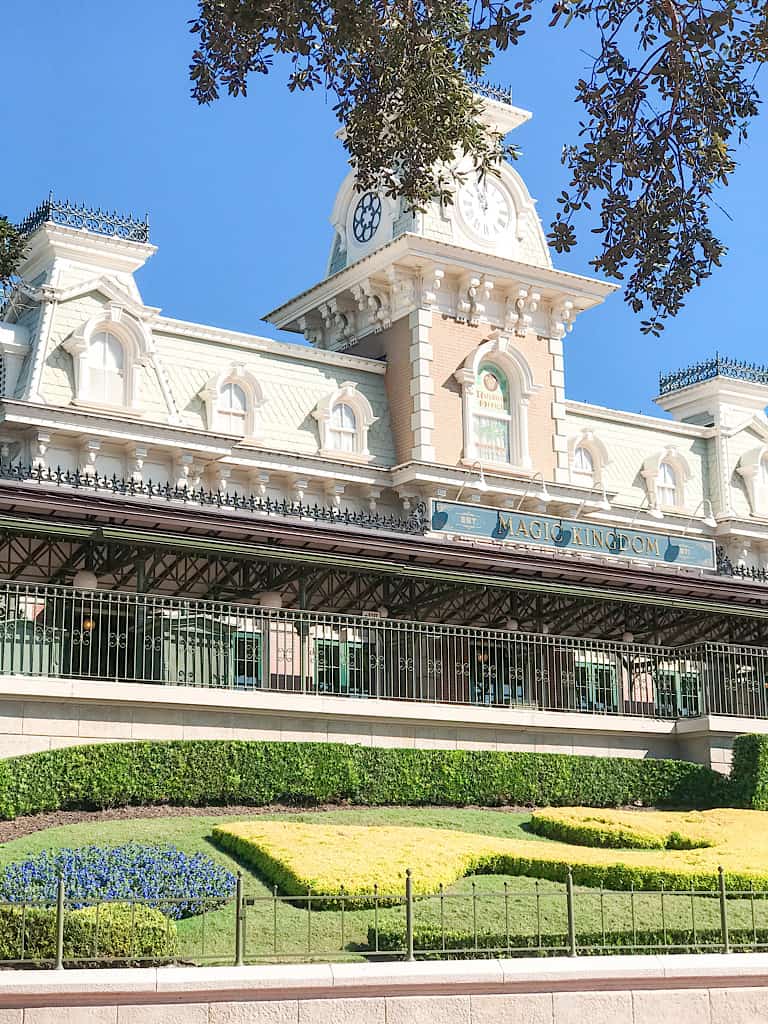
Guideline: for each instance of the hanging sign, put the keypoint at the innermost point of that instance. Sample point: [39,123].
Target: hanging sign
[571,535]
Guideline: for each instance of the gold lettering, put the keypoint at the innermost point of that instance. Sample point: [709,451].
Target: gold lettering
[536,530]
[521,528]
[635,542]
[577,537]
[597,538]
[652,546]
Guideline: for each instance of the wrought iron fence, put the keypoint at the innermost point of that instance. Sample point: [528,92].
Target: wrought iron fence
[125,637]
[88,218]
[719,366]
[483,916]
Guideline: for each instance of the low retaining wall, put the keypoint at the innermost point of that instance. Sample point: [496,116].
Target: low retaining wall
[40,713]
[708,989]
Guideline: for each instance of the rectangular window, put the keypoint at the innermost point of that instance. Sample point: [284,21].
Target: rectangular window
[492,439]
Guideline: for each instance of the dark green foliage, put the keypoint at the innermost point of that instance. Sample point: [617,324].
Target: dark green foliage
[112,931]
[749,774]
[12,248]
[459,945]
[201,772]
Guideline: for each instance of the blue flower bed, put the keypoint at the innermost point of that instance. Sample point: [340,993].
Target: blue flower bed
[178,884]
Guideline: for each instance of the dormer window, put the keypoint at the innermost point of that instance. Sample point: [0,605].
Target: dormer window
[232,409]
[344,418]
[110,355]
[666,473]
[343,428]
[232,399]
[588,459]
[666,486]
[106,370]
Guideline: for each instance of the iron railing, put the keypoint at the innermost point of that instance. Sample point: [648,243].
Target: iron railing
[86,218]
[477,917]
[719,366]
[415,522]
[490,90]
[50,630]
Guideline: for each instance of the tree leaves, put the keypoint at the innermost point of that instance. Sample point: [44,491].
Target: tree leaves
[11,251]
[670,94]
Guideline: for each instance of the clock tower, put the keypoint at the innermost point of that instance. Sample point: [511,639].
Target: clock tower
[462,303]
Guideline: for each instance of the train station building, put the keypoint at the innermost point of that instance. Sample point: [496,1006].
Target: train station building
[392,528]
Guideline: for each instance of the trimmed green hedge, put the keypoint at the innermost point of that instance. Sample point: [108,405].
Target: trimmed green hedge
[430,943]
[749,773]
[113,931]
[200,772]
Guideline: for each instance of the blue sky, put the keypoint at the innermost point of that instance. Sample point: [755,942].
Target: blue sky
[94,103]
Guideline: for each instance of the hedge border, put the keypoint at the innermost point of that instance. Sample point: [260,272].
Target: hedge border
[263,772]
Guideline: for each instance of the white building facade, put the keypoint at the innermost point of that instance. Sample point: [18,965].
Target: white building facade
[208,533]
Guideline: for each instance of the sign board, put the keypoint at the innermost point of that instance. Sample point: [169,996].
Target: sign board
[571,535]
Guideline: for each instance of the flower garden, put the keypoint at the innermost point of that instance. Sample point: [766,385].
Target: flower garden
[324,881]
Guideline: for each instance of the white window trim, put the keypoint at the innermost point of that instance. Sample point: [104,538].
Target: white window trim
[650,473]
[235,373]
[749,469]
[137,346]
[346,394]
[521,385]
[588,440]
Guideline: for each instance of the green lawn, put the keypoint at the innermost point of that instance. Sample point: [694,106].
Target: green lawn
[286,929]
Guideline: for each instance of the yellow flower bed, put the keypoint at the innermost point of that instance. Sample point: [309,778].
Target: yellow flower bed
[324,858]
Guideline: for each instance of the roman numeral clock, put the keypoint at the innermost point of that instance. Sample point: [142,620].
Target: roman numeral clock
[485,208]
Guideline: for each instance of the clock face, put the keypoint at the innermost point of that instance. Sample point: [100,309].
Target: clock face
[367,217]
[485,208]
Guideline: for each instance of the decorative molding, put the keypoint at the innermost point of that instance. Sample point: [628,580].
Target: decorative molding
[519,306]
[347,394]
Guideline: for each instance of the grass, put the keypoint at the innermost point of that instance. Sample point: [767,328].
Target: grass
[282,928]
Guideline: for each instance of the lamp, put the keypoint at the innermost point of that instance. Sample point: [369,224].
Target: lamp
[603,505]
[481,483]
[709,517]
[655,513]
[544,496]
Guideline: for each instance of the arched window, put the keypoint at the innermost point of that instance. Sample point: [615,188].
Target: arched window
[492,420]
[343,428]
[106,369]
[583,462]
[344,418]
[666,485]
[232,409]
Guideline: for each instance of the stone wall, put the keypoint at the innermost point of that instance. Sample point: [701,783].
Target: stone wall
[706,989]
[38,713]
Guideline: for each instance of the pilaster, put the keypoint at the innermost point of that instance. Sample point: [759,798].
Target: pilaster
[422,386]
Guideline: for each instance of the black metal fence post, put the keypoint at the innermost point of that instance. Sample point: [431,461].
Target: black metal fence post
[60,923]
[572,951]
[408,916]
[723,910]
[239,920]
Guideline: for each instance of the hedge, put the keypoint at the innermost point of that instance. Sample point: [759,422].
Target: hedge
[749,773]
[572,826]
[258,773]
[431,943]
[112,931]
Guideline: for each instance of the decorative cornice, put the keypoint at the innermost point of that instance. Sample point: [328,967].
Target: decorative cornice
[164,325]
